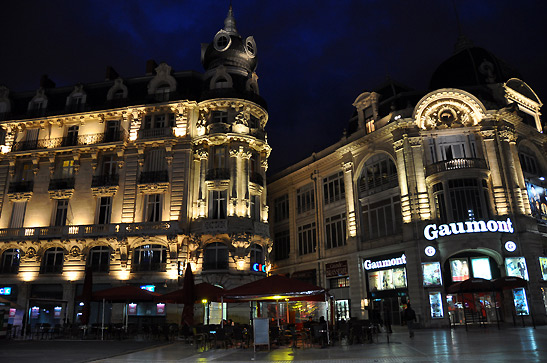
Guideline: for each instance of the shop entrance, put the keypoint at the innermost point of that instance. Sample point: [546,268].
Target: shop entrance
[474,308]
[388,310]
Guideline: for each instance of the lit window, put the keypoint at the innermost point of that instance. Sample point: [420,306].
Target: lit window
[339,282]
[149,258]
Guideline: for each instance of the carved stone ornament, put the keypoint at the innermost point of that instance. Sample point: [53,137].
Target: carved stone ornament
[75,251]
[241,240]
[30,253]
[104,191]
[448,108]
[61,194]
[20,197]
[153,188]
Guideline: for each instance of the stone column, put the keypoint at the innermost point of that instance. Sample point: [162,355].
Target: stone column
[501,202]
[508,144]
[401,161]
[422,197]
[347,167]
[233,195]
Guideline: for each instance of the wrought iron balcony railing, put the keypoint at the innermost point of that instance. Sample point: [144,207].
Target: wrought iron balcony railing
[455,164]
[61,184]
[89,139]
[21,187]
[153,133]
[106,180]
[149,177]
[217,174]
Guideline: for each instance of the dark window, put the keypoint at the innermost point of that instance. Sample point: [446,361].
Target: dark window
[220,116]
[99,259]
[52,262]
[257,254]
[105,210]
[382,218]
[153,208]
[281,208]
[255,207]
[335,231]
[307,239]
[218,204]
[282,245]
[305,199]
[149,258]
[333,188]
[461,200]
[11,259]
[378,174]
[215,257]
[61,212]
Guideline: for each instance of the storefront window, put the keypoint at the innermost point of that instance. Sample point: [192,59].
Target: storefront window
[342,309]
[387,279]
[432,274]
[339,282]
[436,304]
[516,266]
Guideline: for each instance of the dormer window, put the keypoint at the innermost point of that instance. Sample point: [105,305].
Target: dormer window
[162,93]
[76,103]
[222,83]
[118,95]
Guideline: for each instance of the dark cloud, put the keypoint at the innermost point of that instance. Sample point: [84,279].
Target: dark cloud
[315,57]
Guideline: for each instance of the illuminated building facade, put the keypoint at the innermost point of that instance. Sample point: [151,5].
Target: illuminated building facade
[136,178]
[422,191]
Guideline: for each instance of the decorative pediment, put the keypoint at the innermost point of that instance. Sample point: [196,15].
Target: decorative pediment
[448,108]
[153,188]
[19,197]
[61,194]
[104,191]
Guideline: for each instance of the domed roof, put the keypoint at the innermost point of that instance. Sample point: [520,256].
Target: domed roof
[471,66]
[229,49]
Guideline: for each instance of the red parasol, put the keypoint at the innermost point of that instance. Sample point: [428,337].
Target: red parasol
[86,295]
[189,297]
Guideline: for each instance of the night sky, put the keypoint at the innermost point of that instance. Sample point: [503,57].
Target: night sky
[315,57]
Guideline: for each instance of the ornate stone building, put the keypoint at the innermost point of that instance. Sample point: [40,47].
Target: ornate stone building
[135,178]
[423,191]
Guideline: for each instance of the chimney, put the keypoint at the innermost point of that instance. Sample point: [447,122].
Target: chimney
[151,66]
[45,82]
[111,74]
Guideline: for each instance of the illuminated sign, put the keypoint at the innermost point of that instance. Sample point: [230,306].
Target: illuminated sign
[258,267]
[5,290]
[373,265]
[510,246]
[150,288]
[57,312]
[132,309]
[430,251]
[432,231]
[160,309]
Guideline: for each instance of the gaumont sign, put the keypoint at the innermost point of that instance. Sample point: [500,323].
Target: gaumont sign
[396,261]
[433,231]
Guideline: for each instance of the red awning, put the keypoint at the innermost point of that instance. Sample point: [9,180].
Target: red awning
[276,287]
[126,293]
[471,285]
[203,291]
[509,282]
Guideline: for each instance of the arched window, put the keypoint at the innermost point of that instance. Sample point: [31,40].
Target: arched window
[215,257]
[256,254]
[11,259]
[99,259]
[461,200]
[379,173]
[52,262]
[149,258]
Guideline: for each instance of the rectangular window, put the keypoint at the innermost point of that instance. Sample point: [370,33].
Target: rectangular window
[153,208]
[61,212]
[155,160]
[333,188]
[109,165]
[67,169]
[71,136]
[282,245]
[335,231]
[18,214]
[339,282]
[307,239]
[382,218]
[105,210]
[305,199]
[255,207]
[217,208]
[112,131]
[281,208]
[220,116]
[219,157]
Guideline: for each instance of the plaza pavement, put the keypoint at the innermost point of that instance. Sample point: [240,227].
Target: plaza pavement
[511,344]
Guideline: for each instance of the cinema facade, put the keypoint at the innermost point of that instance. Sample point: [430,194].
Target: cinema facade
[424,190]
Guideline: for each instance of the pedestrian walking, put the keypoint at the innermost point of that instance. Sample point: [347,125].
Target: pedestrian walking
[410,317]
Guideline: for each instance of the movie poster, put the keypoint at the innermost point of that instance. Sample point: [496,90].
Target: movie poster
[436,304]
[521,305]
[543,267]
[516,266]
[538,200]
[432,273]
[460,269]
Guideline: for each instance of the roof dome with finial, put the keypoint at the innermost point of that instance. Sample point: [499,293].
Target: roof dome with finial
[471,66]
[229,49]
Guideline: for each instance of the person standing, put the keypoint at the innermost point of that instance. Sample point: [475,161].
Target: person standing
[410,317]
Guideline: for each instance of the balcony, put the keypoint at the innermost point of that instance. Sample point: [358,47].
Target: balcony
[156,133]
[61,184]
[152,177]
[67,141]
[119,230]
[455,164]
[256,178]
[217,174]
[21,187]
[107,180]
